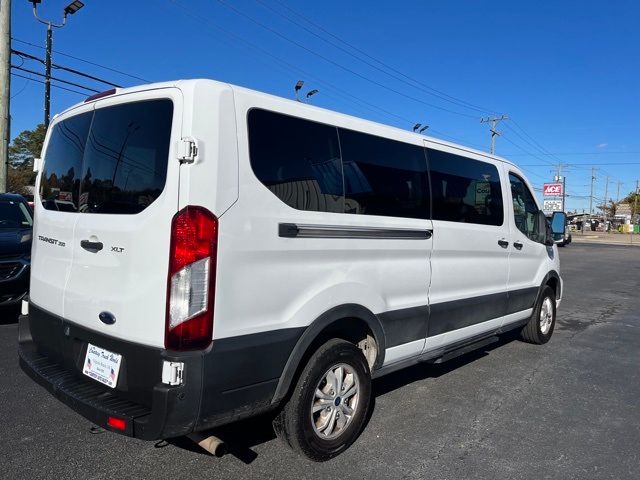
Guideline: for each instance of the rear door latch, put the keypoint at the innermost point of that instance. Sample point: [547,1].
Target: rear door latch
[172,372]
[187,150]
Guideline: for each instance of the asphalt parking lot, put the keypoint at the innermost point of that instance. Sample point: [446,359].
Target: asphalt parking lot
[569,409]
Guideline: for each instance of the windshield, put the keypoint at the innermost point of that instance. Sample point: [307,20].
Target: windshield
[111,160]
[14,215]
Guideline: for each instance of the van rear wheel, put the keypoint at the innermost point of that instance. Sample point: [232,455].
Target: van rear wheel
[329,404]
[543,319]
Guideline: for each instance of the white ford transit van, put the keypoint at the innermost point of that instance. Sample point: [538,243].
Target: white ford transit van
[226,253]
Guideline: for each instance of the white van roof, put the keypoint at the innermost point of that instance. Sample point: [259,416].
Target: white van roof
[192,82]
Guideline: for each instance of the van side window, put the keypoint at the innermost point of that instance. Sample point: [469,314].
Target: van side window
[298,160]
[465,190]
[384,177]
[525,210]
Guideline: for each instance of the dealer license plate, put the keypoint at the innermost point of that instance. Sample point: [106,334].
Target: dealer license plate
[102,365]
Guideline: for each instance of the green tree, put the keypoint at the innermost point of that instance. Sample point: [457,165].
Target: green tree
[24,148]
[633,201]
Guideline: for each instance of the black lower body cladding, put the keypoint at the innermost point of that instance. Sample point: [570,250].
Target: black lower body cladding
[233,379]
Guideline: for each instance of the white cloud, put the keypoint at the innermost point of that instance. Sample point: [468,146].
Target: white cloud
[602,145]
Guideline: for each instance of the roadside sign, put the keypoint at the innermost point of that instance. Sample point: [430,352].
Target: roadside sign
[552,206]
[552,189]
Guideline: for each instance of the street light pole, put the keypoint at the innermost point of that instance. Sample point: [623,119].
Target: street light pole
[47,78]
[70,9]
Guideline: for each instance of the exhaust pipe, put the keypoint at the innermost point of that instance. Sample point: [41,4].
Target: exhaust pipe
[210,443]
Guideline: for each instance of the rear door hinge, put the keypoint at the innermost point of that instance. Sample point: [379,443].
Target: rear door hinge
[187,150]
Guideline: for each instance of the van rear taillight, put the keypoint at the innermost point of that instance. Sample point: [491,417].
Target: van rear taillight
[191,282]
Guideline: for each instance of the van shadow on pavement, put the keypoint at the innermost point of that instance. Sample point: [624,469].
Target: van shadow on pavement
[9,315]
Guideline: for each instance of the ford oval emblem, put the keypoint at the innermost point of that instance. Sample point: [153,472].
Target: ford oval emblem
[107,318]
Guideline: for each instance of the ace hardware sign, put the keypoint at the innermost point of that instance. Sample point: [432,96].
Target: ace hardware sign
[552,189]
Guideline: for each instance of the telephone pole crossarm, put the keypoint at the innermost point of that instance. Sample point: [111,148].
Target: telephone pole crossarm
[493,121]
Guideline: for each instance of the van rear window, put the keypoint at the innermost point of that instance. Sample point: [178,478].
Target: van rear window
[112,160]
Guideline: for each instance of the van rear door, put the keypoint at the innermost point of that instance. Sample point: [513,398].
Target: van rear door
[56,211]
[127,196]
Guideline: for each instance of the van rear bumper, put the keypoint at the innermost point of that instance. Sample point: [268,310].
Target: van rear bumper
[151,409]
[234,378]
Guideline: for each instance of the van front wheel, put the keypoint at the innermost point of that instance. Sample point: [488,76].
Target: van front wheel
[543,320]
[329,404]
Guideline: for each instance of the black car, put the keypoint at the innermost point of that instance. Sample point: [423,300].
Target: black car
[16,224]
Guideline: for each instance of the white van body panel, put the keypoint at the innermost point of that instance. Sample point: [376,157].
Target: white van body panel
[209,119]
[278,283]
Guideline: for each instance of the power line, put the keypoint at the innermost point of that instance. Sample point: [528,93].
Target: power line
[89,62]
[327,59]
[397,75]
[319,27]
[628,152]
[586,165]
[55,78]
[290,67]
[60,67]
[53,84]
[355,100]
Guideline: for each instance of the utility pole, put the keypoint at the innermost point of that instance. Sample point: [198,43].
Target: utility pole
[47,76]
[494,122]
[593,179]
[5,83]
[635,210]
[606,192]
[70,9]
[618,195]
[561,178]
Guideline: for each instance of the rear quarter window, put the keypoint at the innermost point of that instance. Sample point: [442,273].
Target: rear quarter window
[297,160]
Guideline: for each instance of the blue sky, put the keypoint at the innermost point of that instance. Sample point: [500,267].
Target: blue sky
[567,73]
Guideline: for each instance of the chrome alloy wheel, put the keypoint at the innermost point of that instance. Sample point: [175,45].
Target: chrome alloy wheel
[546,316]
[335,401]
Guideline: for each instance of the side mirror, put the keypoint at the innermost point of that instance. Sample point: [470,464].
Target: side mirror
[558,224]
[37,164]
[544,230]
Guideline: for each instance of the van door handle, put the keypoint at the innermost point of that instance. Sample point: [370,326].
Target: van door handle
[93,247]
[518,245]
[503,243]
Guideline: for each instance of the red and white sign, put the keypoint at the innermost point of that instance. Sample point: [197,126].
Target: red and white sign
[552,189]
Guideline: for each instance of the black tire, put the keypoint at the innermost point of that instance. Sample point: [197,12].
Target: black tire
[534,331]
[294,424]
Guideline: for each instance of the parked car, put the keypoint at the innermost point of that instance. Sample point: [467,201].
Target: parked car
[16,223]
[231,253]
